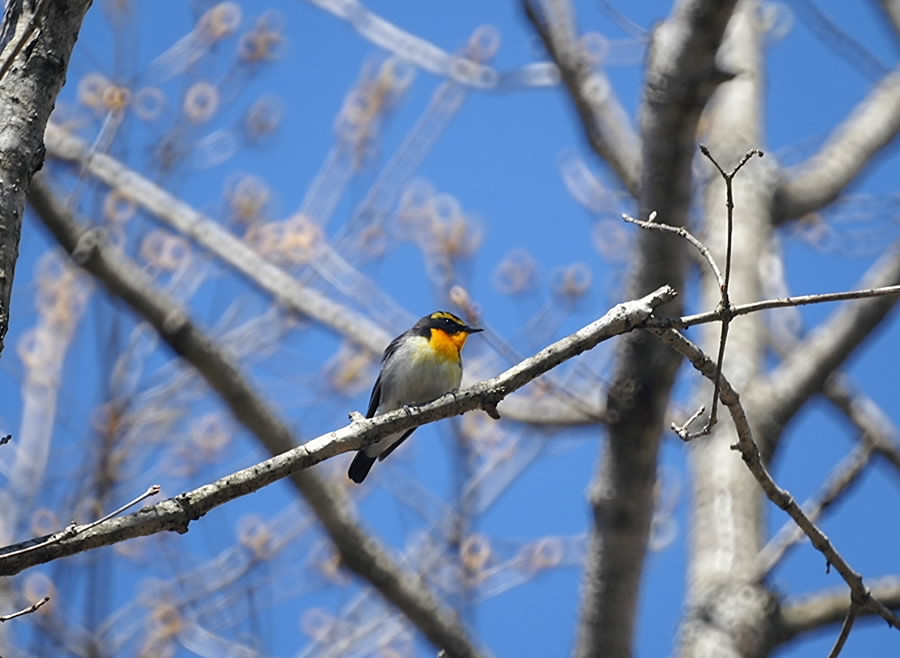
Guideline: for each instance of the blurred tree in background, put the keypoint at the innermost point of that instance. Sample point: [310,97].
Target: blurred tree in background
[304,180]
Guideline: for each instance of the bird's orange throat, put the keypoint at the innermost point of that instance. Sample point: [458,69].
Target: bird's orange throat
[448,345]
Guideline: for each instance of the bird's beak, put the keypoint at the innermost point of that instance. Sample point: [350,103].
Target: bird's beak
[472,330]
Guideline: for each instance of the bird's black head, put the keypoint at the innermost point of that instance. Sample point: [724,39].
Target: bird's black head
[445,321]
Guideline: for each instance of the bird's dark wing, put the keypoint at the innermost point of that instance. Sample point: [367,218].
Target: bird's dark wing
[393,446]
[392,347]
[375,398]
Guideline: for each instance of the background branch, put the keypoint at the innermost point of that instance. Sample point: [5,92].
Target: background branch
[813,612]
[891,10]
[726,610]
[601,115]
[825,349]
[876,428]
[814,184]
[752,457]
[842,478]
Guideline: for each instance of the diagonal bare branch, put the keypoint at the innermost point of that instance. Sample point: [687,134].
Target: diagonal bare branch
[750,453]
[360,552]
[814,184]
[26,610]
[878,431]
[129,282]
[209,234]
[842,478]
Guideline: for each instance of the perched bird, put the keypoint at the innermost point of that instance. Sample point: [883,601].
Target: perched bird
[420,365]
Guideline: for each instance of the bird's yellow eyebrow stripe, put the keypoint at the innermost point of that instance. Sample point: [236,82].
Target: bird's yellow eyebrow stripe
[444,315]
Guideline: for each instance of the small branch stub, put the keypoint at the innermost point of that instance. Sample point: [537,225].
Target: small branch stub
[682,430]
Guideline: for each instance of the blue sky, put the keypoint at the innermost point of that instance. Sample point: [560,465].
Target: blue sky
[500,157]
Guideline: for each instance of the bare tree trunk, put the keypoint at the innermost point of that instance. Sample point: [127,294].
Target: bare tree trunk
[725,605]
[681,76]
[37,40]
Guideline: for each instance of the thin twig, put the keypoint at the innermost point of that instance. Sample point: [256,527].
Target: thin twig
[875,428]
[652,224]
[683,431]
[728,177]
[724,312]
[725,302]
[74,529]
[25,611]
[153,490]
[846,627]
[719,314]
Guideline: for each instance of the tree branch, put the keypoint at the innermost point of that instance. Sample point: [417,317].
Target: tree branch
[877,429]
[813,612]
[768,304]
[39,37]
[359,551]
[814,184]
[813,360]
[123,279]
[842,477]
[26,610]
[601,115]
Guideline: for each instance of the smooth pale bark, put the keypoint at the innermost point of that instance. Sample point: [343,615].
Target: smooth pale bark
[726,608]
[681,76]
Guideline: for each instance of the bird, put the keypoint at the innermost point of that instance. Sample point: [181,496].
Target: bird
[418,366]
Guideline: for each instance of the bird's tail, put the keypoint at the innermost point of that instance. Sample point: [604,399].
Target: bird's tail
[360,466]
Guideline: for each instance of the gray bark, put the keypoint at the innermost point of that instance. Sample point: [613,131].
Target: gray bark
[38,38]
[681,76]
